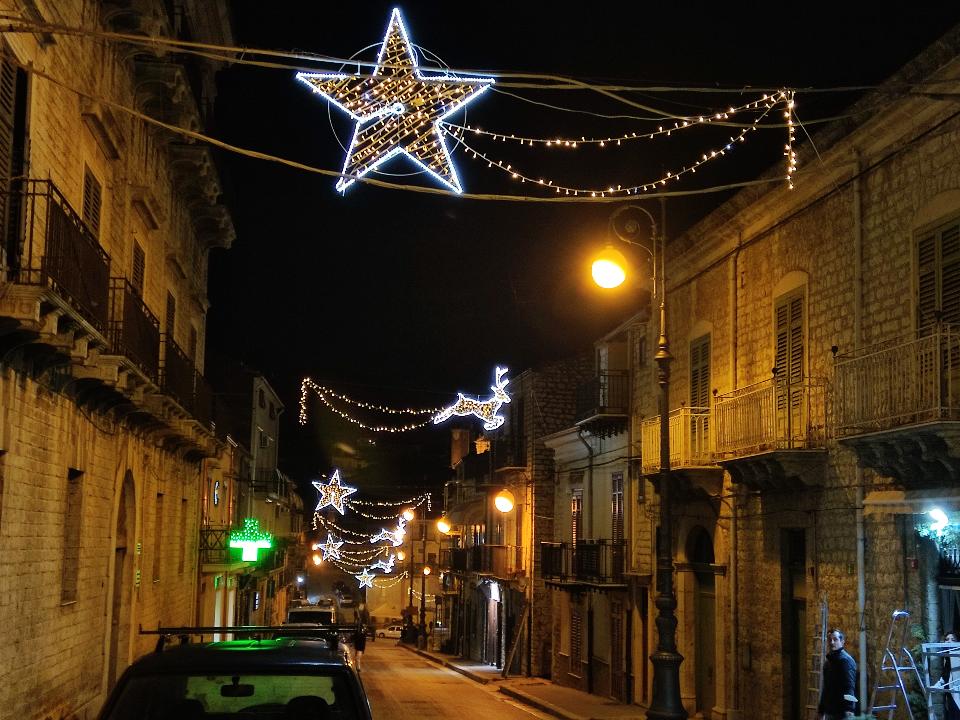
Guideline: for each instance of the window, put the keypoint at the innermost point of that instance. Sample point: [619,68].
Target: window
[616,507]
[170,322]
[576,515]
[139,272]
[261,398]
[639,346]
[273,412]
[938,282]
[700,372]
[92,198]
[788,364]
[264,440]
[157,537]
[182,538]
[73,512]
[13,141]
[576,637]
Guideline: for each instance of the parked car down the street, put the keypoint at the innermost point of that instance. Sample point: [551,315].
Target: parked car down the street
[390,631]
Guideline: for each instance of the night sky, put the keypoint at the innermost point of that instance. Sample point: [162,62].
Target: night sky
[402,298]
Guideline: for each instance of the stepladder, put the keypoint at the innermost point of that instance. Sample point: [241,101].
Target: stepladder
[815,670]
[895,670]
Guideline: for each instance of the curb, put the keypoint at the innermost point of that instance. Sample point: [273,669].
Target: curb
[447,664]
[540,704]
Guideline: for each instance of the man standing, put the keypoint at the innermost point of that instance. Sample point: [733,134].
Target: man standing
[838,695]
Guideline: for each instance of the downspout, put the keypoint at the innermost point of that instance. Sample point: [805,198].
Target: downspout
[587,516]
[734,676]
[858,500]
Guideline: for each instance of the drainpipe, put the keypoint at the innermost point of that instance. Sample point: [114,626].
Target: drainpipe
[587,490]
[733,700]
[858,501]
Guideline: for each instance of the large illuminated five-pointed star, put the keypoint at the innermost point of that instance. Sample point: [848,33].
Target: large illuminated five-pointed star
[331,548]
[397,109]
[333,493]
[365,578]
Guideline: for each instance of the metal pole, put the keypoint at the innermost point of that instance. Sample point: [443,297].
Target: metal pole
[666,703]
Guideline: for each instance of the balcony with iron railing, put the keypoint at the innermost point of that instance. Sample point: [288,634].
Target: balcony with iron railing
[215,551]
[49,247]
[897,404]
[134,331]
[603,403]
[588,562]
[502,561]
[691,443]
[768,434]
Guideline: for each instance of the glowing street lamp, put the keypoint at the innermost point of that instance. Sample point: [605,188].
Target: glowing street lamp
[609,268]
[444,526]
[504,501]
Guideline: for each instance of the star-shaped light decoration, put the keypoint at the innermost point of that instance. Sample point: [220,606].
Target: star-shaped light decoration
[365,578]
[331,548]
[397,109]
[333,493]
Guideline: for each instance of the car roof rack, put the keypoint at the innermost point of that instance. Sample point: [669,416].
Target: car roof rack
[330,633]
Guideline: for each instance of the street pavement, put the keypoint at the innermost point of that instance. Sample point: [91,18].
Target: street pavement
[541,694]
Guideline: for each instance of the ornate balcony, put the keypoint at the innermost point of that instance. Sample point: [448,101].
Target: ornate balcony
[897,404]
[691,448]
[603,403]
[134,331]
[772,434]
[594,563]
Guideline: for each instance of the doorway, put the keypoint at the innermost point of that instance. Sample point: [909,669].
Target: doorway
[122,584]
[700,552]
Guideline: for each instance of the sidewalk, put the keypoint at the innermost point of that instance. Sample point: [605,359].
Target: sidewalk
[544,695]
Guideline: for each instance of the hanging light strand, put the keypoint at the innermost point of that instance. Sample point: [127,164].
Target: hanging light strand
[370,406]
[619,189]
[393,516]
[680,123]
[789,152]
[323,393]
[418,499]
[385,583]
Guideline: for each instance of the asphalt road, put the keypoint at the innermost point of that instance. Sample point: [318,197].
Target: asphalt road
[404,686]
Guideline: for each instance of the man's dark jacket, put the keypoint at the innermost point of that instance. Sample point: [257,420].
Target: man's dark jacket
[839,679]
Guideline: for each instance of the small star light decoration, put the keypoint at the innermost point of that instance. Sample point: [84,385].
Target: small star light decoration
[365,578]
[250,539]
[331,548]
[397,109]
[333,493]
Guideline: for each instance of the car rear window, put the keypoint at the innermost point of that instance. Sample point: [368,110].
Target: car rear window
[310,616]
[195,696]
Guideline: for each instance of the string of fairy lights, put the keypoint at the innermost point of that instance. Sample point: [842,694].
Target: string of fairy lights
[401,111]
[325,394]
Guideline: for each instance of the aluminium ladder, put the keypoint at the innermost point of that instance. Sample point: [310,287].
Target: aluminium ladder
[894,664]
[815,672]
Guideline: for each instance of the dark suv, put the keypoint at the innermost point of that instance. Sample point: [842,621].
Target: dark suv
[281,678]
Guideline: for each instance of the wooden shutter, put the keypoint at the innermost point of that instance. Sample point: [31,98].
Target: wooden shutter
[170,323]
[139,268]
[92,198]
[790,341]
[700,372]
[8,102]
[938,276]
[576,636]
[576,515]
[616,507]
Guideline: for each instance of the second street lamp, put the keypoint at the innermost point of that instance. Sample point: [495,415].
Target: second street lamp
[609,271]
[422,642]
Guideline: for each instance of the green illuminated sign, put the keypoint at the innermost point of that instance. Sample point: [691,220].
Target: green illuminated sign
[251,538]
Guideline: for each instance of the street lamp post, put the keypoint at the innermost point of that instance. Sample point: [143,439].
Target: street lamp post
[666,703]
[422,637]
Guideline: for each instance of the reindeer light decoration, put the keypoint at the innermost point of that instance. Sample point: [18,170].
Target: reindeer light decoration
[487,410]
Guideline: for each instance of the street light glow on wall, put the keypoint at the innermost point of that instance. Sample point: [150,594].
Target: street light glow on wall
[504,501]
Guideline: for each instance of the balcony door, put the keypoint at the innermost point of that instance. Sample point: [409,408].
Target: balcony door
[699,397]
[790,416]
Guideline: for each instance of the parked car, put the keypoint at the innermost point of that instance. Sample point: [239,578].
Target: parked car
[390,631]
[312,614]
[281,677]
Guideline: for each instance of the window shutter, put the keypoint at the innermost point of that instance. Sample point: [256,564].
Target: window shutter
[950,282]
[171,319]
[139,268]
[700,372]
[938,276]
[617,507]
[8,100]
[789,345]
[92,196]
[576,509]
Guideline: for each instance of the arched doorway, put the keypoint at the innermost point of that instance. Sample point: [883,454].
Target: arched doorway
[700,555]
[122,582]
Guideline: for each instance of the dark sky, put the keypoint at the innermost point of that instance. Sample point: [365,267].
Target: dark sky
[405,298]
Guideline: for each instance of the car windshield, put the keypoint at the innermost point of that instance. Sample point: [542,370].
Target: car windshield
[219,696]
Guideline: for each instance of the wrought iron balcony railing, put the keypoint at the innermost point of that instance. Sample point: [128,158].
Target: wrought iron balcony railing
[215,544]
[691,443]
[177,373]
[202,401]
[134,330]
[606,394]
[770,415]
[50,245]
[905,381]
[597,562]
[503,561]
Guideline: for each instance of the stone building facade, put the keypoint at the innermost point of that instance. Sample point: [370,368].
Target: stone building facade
[814,350]
[105,417]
